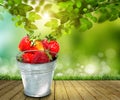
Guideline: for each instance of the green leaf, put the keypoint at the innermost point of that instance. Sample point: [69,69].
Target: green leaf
[21,9]
[47,6]
[65,5]
[76,10]
[18,23]
[62,5]
[25,1]
[83,27]
[30,27]
[91,17]
[25,7]
[53,23]
[85,9]
[103,18]
[78,3]
[1,1]
[37,9]
[41,2]
[85,23]
[11,3]
[34,16]
[33,2]
[14,11]
[113,17]
[63,16]
[17,1]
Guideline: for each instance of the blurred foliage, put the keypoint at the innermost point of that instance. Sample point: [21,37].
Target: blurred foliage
[84,13]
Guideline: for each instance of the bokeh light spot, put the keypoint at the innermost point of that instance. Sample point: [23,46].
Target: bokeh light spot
[90,69]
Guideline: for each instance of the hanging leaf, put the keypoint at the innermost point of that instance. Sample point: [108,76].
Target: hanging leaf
[30,27]
[33,2]
[91,17]
[103,17]
[78,3]
[85,9]
[113,17]
[14,11]
[34,16]
[76,10]
[17,1]
[47,6]
[11,3]
[37,9]
[41,2]
[18,23]
[53,23]
[1,1]
[85,24]
[25,7]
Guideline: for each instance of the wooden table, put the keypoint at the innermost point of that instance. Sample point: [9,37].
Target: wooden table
[65,90]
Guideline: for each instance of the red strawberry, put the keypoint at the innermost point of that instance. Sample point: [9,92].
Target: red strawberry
[45,43]
[24,44]
[52,46]
[28,57]
[41,57]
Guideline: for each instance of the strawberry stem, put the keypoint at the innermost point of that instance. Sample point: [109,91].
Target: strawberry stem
[49,55]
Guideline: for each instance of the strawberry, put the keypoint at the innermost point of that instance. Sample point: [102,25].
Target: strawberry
[41,57]
[45,43]
[35,57]
[52,46]
[27,57]
[24,44]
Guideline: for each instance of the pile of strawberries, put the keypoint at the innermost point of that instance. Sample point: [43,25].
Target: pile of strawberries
[41,51]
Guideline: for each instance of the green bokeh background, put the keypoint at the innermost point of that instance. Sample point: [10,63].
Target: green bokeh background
[95,52]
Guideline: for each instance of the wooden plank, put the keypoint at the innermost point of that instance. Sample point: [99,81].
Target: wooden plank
[31,98]
[98,95]
[52,95]
[82,91]
[19,96]
[2,82]
[6,84]
[65,90]
[60,92]
[12,92]
[112,84]
[71,91]
[8,88]
[102,90]
[111,92]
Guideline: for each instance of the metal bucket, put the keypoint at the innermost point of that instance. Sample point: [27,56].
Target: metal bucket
[37,78]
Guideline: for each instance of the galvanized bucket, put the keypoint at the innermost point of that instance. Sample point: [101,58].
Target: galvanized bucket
[37,78]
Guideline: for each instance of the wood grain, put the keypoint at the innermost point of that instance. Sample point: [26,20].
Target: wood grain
[65,90]
[60,91]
